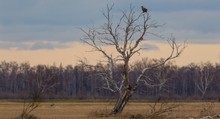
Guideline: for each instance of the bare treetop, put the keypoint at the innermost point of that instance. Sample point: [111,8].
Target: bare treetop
[125,35]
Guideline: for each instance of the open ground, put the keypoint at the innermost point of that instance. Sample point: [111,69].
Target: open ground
[88,110]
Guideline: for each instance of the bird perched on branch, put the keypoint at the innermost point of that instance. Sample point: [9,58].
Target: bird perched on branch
[144,9]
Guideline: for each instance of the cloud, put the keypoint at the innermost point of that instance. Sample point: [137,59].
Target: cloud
[174,5]
[38,21]
[193,53]
[53,12]
[51,20]
[198,20]
[13,45]
[197,26]
[47,45]
[15,33]
[150,47]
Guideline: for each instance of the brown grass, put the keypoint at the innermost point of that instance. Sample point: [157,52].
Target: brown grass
[9,110]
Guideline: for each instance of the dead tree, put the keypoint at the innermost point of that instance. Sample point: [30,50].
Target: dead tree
[126,35]
[40,84]
[204,75]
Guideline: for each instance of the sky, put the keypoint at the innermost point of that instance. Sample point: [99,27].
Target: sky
[47,31]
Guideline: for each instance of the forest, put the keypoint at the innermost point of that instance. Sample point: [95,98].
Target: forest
[193,82]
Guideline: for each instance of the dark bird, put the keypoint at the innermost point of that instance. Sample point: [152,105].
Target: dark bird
[144,9]
[52,104]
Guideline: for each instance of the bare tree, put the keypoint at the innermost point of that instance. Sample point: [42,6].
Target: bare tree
[126,35]
[204,75]
[40,84]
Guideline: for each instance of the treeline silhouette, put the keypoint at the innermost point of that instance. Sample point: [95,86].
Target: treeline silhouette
[194,81]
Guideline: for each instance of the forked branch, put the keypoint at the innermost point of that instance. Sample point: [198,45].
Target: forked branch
[176,50]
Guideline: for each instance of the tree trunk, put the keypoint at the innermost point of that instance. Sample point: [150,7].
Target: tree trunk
[123,99]
[121,102]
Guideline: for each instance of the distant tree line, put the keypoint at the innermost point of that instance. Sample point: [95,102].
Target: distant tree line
[194,81]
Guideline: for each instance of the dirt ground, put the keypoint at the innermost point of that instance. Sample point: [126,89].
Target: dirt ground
[9,110]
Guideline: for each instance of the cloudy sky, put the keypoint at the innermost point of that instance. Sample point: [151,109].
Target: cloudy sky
[47,31]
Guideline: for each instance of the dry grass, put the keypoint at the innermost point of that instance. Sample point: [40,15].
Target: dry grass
[9,110]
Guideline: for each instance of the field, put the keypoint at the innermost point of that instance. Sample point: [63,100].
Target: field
[92,110]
